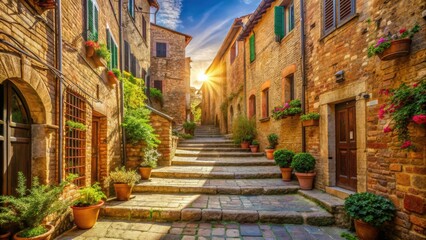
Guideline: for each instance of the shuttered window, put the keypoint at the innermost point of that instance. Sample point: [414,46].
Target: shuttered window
[265,103]
[131,8]
[126,56]
[252,48]
[279,23]
[291,17]
[144,28]
[335,12]
[161,49]
[113,49]
[92,13]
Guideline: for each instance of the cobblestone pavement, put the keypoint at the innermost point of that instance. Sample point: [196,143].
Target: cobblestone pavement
[107,229]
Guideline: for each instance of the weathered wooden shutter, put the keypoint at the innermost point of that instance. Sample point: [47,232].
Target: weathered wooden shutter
[252,48]
[329,15]
[89,20]
[291,17]
[131,8]
[346,9]
[115,56]
[109,46]
[95,21]
[279,22]
[126,56]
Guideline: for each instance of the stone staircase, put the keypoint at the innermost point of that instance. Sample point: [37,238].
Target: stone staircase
[212,179]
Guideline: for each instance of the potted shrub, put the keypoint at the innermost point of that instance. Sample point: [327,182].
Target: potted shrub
[393,45]
[189,127]
[4,234]
[101,56]
[370,211]
[273,142]
[124,181]
[244,131]
[113,76]
[254,147]
[289,109]
[91,45]
[30,207]
[86,208]
[150,161]
[310,119]
[304,165]
[283,159]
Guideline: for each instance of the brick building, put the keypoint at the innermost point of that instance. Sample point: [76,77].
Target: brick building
[170,71]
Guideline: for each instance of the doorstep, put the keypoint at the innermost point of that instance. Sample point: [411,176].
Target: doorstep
[339,192]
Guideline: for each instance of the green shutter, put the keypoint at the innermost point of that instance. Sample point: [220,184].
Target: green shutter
[114,56]
[279,22]
[291,16]
[109,46]
[95,21]
[252,48]
[89,20]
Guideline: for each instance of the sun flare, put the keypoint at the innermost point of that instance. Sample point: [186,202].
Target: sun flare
[202,77]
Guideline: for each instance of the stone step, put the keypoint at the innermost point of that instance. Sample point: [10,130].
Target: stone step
[204,161]
[184,153]
[204,145]
[208,136]
[217,186]
[206,141]
[213,172]
[212,148]
[283,209]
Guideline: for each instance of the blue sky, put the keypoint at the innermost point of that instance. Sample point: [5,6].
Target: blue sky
[207,21]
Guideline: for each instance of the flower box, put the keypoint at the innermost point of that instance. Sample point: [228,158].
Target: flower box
[398,48]
[310,122]
[47,4]
[112,79]
[90,51]
[99,62]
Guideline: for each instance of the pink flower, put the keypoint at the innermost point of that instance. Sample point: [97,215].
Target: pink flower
[420,119]
[380,41]
[387,129]
[402,30]
[382,112]
[406,144]
[384,92]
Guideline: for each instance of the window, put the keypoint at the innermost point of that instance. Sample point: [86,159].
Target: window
[284,20]
[158,84]
[92,20]
[126,56]
[265,103]
[335,12]
[131,8]
[143,74]
[134,66]
[75,139]
[234,51]
[144,28]
[288,88]
[291,17]
[252,48]
[161,49]
[252,106]
[113,49]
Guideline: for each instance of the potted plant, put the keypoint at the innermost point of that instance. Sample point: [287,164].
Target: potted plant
[304,165]
[113,76]
[30,207]
[310,119]
[86,208]
[150,161]
[283,159]
[393,45]
[273,142]
[370,211]
[289,109]
[91,45]
[124,181]
[244,131]
[47,4]
[4,234]
[189,127]
[102,56]
[254,147]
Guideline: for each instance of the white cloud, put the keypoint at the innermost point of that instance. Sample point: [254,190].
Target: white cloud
[169,14]
[247,1]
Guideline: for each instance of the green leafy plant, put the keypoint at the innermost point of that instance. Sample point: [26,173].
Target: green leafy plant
[273,140]
[89,196]
[123,176]
[385,42]
[103,52]
[310,116]
[406,104]
[115,72]
[75,125]
[157,95]
[243,129]
[185,136]
[370,208]
[283,158]
[303,163]
[190,126]
[348,236]
[32,205]
[289,109]
[150,158]
[255,143]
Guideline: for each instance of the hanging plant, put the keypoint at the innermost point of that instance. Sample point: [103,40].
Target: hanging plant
[75,125]
[291,108]
[406,105]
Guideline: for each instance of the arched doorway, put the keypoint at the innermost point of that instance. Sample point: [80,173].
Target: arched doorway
[15,137]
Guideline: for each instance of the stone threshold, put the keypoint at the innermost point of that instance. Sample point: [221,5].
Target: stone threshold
[222,162]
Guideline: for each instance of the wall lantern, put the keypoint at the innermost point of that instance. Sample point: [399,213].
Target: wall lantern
[340,76]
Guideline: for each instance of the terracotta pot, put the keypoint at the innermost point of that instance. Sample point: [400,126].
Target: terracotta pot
[286,174]
[99,62]
[145,172]
[47,4]
[310,122]
[90,51]
[254,148]
[112,80]
[86,217]
[398,48]
[44,236]
[122,191]
[5,236]
[270,154]
[245,145]
[306,180]
[365,231]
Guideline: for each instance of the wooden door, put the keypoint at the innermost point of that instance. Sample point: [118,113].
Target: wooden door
[346,159]
[95,150]
[15,138]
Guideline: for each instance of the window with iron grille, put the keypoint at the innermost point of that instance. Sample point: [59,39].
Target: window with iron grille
[336,12]
[75,139]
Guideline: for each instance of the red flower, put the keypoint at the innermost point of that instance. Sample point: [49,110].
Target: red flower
[92,44]
[111,73]
[406,144]
[402,30]
[387,129]
[382,112]
[415,85]
[384,92]
[420,119]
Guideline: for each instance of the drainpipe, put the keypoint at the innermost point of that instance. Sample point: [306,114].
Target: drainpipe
[302,47]
[245,79]
[123,130]
[155,15]
[58,16]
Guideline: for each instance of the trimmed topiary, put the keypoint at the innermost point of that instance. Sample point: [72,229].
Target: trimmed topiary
[283,158]
[303,163]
